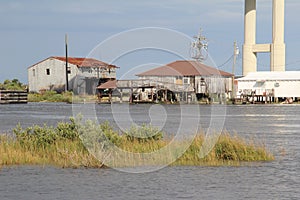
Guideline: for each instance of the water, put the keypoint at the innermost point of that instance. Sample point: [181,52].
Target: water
[276,125]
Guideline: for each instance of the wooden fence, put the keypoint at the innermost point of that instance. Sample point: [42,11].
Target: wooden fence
[13,96]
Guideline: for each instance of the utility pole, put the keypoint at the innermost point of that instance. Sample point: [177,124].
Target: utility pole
[235,54]
[67,71]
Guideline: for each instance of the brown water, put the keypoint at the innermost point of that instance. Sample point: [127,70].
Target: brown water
[276,125]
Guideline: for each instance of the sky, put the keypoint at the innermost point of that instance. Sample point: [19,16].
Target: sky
[33,30]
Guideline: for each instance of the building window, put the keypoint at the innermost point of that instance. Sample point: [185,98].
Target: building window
[186,81]
[179,80]
[33,72]
[48,71]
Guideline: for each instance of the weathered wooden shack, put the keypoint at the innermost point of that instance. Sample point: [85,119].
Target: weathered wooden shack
[205,80]
[184,81]
[84,74]
[141,91]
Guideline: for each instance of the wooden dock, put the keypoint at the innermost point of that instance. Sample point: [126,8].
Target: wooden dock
[147,83]
[142,91]
[13,96]
[149,91]
[256,97]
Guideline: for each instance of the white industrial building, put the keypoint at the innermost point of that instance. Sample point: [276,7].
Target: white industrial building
[84,74]
[275,84]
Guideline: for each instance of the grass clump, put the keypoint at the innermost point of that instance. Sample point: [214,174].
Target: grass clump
[228,150]
[50,96]
[53,96]
[66,146]
[46,145]
[143,134]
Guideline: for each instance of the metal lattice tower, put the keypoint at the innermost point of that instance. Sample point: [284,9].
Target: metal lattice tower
[199,46]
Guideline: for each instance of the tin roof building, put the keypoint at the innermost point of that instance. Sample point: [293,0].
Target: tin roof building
[278,84]
[203,78]
[84,74]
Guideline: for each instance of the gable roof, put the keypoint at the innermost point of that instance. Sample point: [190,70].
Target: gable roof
[185,68]
[85,62]
[81,62]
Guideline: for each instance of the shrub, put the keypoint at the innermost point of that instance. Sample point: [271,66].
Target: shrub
[36,135]
[45,135]
[68,130]
[98,136]
[144,133]
[110,134]
[14,84]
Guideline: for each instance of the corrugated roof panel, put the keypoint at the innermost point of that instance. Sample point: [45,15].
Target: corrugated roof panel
[85,62]
[80,62]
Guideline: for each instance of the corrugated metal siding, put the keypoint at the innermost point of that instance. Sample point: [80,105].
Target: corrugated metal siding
[283,88]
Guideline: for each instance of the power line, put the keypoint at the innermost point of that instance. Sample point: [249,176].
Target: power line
[227,61]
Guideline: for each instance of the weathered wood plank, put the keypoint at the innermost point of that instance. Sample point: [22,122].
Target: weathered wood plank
[13,96]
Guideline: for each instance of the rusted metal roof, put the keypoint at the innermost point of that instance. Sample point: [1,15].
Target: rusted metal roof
[185,68]
[80,62]
[85,62]
[112,84]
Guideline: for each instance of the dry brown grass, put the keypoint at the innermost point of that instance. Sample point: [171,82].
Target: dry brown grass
[65,152]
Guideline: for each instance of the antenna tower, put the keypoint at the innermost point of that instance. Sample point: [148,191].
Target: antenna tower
[199,47]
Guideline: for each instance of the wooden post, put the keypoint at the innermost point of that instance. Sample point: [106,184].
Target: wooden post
[235,54]
[152,95]
[67,81]
[121,95]
[131,93]
[166,95]
[110,96]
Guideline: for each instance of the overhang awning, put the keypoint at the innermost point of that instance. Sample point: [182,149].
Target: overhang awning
[112,84]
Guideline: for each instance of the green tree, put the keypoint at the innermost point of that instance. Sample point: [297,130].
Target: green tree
[13,84]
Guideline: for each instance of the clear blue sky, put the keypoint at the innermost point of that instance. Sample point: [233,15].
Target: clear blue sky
[33,30]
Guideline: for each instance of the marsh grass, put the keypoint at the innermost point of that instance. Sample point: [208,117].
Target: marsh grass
[61,146]
[65,154]
[229,150]
[68,97]
[50,96]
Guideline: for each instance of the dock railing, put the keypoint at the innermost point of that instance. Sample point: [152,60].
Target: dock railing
[13,96]
[148,83]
